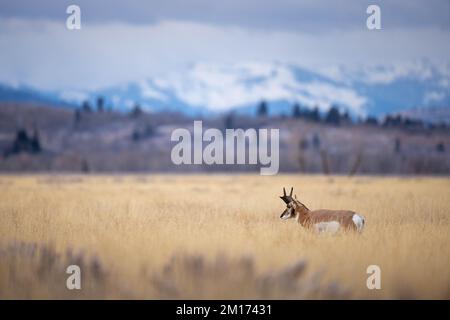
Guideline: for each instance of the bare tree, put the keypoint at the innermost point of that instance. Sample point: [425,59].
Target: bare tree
[356,164]
[325,162]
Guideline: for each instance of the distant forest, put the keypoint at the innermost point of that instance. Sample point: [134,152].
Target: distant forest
[93,138]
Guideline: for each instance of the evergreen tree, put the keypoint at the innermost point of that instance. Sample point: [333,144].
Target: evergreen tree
[137,110]
[229,121]
[296,111]
[35,144]
[315,114]
[333,116]
[100,104]
[77,116]
[86,107]
[262,109]
[371,121]
[440,147]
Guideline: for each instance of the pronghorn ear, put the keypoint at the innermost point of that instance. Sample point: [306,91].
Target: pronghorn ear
[295,197]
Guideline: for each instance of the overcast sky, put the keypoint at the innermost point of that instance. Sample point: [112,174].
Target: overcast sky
[129,40]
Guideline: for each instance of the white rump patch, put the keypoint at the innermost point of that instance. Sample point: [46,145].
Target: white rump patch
[329,226]
[358,221]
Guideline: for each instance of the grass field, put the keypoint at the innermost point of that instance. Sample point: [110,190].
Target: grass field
[220,236]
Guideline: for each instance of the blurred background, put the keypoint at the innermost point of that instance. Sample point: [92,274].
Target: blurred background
[106,98]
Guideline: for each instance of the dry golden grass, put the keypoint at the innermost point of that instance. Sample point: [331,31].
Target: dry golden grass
[149,236]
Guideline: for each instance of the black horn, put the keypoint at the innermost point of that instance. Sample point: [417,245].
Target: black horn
[287,198]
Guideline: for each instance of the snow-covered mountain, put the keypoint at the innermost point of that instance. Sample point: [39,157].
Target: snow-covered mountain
[27,94]
[208,88]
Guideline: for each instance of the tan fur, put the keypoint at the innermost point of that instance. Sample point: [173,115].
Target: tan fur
[307,218]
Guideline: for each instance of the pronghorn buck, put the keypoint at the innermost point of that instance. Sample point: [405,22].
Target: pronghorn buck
[321,220]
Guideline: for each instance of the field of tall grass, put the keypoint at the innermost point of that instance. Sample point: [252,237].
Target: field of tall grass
[220,236]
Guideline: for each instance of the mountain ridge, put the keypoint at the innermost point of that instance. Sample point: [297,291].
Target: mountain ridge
[205,89]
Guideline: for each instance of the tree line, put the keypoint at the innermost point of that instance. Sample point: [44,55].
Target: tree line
[335,116]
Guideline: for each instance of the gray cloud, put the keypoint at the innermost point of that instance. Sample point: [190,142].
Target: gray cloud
[129,40]
[293,15]
[45,54]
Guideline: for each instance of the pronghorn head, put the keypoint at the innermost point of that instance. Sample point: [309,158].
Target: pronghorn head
[293,206]
[290,203]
